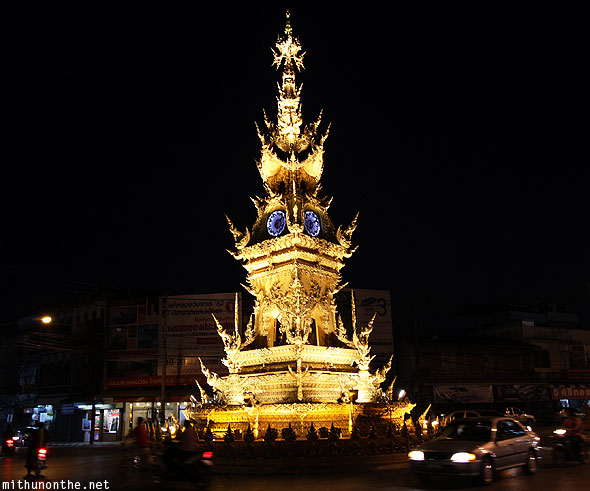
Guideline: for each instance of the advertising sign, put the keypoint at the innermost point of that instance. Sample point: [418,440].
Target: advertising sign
[189,332]
[521,393]
[367,304]
[176,330]
[133,345]
[464,394]
[578,392]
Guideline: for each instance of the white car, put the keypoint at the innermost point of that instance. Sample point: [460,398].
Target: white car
[476,447]
[520,416]
[468,413]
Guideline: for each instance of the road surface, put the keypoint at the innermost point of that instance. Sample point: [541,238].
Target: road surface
[98,468]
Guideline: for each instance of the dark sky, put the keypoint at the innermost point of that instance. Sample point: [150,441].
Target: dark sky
[459,132]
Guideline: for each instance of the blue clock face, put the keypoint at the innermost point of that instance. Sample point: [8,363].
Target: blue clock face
[275,224]
[312,223]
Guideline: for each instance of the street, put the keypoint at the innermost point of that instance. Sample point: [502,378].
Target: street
[98,468]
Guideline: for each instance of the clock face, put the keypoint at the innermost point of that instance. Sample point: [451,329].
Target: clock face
[312,223]
[275,224]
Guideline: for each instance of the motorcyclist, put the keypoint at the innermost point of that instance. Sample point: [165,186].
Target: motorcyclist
[140,435]
[37,440]
[188,438]
[176,455]
[573,425]
[7,435]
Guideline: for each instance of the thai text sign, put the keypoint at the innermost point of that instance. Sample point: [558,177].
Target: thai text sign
[188,332]
[570,392]
[463,393]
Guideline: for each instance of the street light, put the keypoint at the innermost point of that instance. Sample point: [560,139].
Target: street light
[46,319]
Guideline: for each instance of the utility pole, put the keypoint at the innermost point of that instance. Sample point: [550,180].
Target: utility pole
[165,355]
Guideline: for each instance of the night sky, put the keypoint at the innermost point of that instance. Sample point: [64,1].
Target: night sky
[459,132]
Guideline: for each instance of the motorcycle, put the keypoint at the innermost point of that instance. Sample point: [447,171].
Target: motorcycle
[175,466]
[565,449]
[38,463]
[8,446]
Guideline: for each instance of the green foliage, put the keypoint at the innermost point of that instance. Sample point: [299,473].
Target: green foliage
[229,434]
[312,434]
[372,432]
[208,435]
[249,435]
[288,434]
[335,433]
[390,431]
[405,433]
[355,434]
[271,434]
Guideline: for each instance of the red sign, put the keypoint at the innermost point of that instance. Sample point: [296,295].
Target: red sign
[571,392]
[153,381]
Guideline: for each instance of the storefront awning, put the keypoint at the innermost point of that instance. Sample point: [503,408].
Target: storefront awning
[50,400]
[171,398]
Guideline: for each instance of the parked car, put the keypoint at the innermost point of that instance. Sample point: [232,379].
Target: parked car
[520,416]
[476,447]
[468,413]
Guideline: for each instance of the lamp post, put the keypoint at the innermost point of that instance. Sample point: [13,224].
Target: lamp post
[165,355]
[32,339]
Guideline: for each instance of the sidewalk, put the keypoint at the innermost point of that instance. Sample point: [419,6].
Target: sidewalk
[83,444]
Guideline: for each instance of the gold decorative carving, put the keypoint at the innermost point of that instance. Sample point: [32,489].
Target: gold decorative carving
[290,364]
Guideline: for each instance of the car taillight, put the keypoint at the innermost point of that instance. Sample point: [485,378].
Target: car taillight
[42,451]
[207,455]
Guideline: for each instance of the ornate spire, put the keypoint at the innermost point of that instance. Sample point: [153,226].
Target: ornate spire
[291,152]
[288,53]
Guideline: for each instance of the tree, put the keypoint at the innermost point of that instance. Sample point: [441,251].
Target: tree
[288,434]
[312,434]
[335,433]
[271,434]
[229,435]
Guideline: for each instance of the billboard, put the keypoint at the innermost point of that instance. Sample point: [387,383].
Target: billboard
[367,304]
[176,331]
[132,358]
[463,394]
[188,331]
[521,393]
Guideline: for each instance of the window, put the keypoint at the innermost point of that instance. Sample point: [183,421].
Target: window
[509,429]
[511,360]
[431,360]
[541,359]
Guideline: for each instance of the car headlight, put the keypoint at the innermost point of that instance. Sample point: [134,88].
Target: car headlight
[416,455]
[560,431]
[462,457]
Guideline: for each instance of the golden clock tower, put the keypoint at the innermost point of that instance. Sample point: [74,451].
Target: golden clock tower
[295,349]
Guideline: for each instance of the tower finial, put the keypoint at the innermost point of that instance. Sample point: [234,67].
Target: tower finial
[304,147]
[288,30]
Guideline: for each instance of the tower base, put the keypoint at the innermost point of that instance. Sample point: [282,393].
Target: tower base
[299,415]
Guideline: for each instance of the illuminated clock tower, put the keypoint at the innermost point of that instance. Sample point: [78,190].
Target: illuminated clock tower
[295,348]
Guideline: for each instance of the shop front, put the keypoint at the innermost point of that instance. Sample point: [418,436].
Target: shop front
[571,395]
[151,412]
[105,424]
[42,413]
